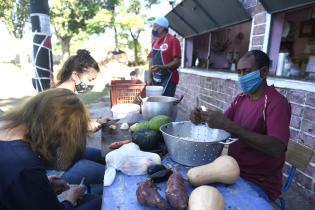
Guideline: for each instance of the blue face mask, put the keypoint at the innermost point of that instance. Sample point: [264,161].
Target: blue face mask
[250,82]
[155,33]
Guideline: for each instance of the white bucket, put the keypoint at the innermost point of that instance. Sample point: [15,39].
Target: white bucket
[122,110]
[153,91]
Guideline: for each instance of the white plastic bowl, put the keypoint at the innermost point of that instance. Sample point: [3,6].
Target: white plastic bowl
[153,91]
[122,110]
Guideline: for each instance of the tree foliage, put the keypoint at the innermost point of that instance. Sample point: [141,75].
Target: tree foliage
[132,22]
[15,14]
[4,6]
[70,17]
[126,20]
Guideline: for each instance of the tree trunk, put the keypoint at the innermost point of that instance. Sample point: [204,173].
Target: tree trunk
[135,38]
[116,38]
[65,47]
[135,45]
[22,49]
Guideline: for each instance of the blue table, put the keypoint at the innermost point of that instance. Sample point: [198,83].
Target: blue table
[122,193]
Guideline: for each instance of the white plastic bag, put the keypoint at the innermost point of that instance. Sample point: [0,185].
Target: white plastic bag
[130,160]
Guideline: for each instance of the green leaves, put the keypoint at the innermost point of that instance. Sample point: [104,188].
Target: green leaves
[71,16]
[101,21]
[15,14]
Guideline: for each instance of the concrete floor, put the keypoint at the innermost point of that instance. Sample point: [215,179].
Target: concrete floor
[294,198]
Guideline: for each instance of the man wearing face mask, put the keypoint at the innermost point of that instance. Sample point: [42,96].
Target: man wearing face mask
[164,58]
[259,117]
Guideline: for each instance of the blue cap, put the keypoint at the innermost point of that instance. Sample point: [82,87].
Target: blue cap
[161,21]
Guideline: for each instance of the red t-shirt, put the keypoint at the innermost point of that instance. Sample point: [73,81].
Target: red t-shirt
[269,115]
[171,49]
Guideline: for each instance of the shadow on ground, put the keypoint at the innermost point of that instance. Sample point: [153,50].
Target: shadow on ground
[6,104]
[94,97]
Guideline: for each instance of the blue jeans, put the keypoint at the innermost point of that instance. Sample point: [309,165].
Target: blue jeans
[94,155]
[91,167]
[260,191]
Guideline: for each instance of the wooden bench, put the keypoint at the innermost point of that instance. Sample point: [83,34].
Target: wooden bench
[298,156]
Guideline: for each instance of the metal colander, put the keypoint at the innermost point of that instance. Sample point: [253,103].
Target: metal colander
[194,145]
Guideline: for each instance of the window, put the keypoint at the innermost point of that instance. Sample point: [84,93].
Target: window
[292,44]
[227,45]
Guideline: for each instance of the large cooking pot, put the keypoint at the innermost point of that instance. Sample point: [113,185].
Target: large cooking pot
[194,145]
[160,105]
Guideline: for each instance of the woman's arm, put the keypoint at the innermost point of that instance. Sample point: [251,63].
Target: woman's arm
[32,190]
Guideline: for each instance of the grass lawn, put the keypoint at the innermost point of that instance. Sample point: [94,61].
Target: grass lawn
[93,97]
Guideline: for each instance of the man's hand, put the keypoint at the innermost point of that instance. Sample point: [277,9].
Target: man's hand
[196,116]
[215,119]
[155,68]
[58,184]
[94,125]
[150,82]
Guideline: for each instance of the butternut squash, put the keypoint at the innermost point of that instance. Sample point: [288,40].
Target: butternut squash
[224,170]
[206,198]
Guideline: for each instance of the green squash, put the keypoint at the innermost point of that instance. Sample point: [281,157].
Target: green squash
[156,122]
[139,126]
[147,139]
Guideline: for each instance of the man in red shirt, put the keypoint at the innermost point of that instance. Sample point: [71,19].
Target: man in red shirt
[259,117]
[164,58]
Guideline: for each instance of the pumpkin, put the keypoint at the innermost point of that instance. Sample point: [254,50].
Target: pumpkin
[224,170]
[206,198]
[146,139]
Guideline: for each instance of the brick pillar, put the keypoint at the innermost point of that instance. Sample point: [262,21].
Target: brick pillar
[260,25]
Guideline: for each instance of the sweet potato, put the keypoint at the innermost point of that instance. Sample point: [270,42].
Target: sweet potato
[176,193]
[118,144]
[147,194]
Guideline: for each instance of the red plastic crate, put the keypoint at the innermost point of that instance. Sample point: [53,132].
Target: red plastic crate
[126,91]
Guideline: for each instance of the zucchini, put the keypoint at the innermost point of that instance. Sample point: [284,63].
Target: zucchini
[161,176]
[155,168]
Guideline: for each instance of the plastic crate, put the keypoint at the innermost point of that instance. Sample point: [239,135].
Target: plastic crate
[126,91]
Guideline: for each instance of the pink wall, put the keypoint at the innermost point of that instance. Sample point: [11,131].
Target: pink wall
[189,52]
[276,32]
